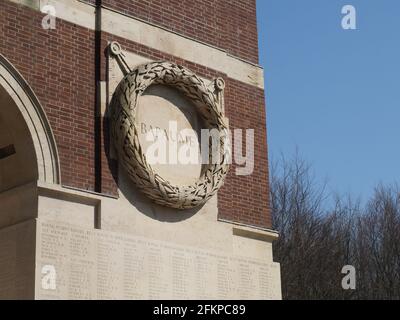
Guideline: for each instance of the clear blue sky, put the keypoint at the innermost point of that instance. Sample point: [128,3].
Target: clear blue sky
[334,93]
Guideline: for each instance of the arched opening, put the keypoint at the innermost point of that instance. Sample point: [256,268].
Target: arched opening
[28,151]
[18,162]
[28,161]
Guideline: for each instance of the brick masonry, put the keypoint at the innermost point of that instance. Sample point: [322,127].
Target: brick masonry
[226,24]
[60,65]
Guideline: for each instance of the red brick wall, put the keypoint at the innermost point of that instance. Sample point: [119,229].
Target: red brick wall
[60,66]
[227,24]
[246,198]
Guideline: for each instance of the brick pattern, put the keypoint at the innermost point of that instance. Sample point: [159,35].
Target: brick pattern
[245,199]
[60,66]
[229,25]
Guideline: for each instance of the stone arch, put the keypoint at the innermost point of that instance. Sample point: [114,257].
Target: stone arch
[27,145]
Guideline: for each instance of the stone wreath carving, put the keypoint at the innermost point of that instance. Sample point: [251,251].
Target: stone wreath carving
[125,134]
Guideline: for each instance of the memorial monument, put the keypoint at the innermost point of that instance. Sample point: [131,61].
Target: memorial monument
[133,153]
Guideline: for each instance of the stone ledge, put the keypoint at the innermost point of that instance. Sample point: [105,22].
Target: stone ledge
[252,232]
[155,37]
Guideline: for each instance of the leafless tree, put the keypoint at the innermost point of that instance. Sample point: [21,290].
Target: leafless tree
[377,246]
[320,234]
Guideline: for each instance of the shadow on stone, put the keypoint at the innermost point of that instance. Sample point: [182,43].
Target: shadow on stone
[149,208]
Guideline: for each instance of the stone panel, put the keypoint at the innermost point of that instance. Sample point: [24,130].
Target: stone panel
[94,264]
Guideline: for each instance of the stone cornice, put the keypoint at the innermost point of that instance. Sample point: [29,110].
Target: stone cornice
[155,37]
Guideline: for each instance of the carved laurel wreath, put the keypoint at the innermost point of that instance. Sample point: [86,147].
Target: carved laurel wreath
[124,133]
